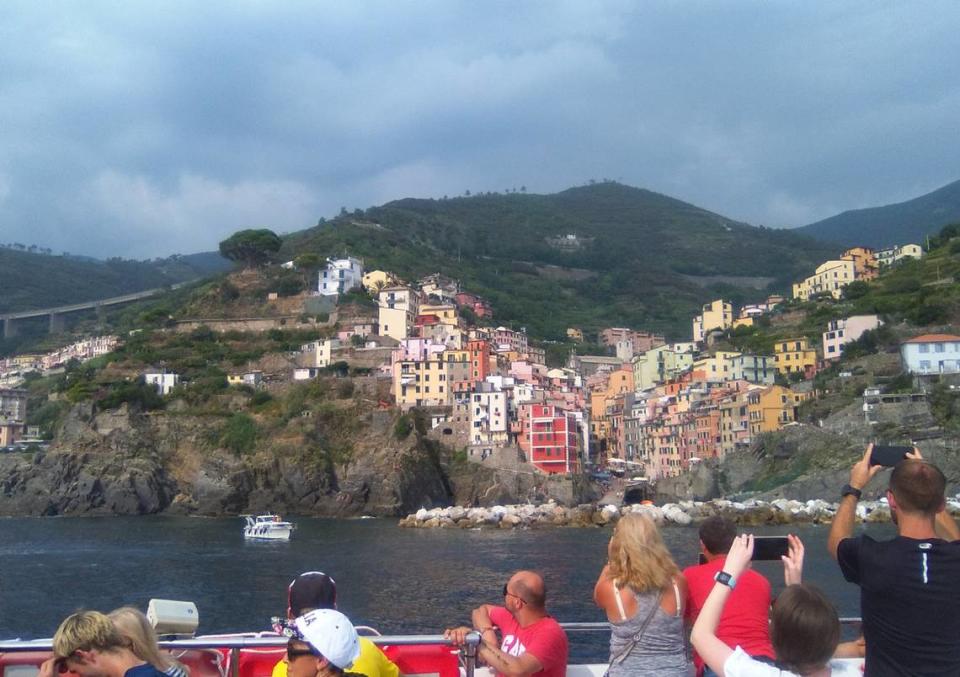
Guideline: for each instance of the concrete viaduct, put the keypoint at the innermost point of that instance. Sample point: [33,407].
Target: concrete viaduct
[56,314]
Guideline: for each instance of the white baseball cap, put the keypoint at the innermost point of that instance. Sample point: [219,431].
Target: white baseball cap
[332,634]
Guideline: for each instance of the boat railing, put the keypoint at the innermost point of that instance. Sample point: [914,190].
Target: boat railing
[235,643]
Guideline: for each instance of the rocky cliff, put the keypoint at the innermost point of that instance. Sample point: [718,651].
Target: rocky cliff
[351,463]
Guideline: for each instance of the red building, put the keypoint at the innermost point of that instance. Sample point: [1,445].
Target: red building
[548,436]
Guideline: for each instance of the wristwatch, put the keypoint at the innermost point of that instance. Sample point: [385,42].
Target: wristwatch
[849,490]
[723,578]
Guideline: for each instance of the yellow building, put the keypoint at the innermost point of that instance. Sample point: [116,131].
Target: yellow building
[575,334]
[722,366]
[830,277]
[398,308]
[445,313]
[376,280]
[743,322]
[771,408]
[421,383]
[790,355]
[716,315]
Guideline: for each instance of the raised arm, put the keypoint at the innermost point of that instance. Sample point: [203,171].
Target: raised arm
[793,561]
[711,648]
[843,522]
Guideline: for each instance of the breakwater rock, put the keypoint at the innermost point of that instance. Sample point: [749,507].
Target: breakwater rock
[684,513]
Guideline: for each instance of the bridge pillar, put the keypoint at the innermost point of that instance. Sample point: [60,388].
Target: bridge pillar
[57,323]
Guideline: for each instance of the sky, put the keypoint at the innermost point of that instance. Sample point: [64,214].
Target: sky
[143,129]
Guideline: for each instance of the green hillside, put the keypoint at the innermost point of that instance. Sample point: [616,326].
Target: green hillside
[640,259]
[910,221]
[31,280]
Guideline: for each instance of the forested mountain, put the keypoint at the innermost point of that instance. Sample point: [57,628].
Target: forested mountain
[901,223]
[589,256]
[32,280]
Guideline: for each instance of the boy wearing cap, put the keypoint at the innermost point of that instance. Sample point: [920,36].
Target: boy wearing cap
[324,644]
[316,590]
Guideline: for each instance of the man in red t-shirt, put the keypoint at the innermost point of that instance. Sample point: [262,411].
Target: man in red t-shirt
[530,642]
[744,621]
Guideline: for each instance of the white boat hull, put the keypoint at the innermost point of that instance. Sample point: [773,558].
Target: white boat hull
[268,532]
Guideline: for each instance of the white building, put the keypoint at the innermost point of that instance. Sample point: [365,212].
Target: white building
[163,381]
[931,354]
[305,373]
[488,417]
[340,275]
[841,332]
[890,255]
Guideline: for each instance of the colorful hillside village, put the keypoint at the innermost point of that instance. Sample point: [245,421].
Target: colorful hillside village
[650,408]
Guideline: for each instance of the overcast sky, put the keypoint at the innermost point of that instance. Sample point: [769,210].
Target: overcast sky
[141,129]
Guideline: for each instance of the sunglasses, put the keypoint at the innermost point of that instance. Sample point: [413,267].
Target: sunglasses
[294,653]
[508,593]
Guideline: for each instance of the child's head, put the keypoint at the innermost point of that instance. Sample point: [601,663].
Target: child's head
[804,628]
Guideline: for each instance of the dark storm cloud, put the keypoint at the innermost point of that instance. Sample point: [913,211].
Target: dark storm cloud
[141,129]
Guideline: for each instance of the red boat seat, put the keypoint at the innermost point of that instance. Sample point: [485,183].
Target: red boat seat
[433,660]
[22,663]
[258,662]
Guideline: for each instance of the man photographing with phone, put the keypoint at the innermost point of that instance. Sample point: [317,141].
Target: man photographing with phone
[909,596]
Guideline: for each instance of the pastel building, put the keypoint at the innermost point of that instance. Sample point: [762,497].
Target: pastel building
[795,355]
[376,280]
[891,255]
[841,332]
[759,369]
[931,354]
[716,315]
[399,306]
[340,275]
[830,278]
[772,408]
[659,365]
[421,383]
[489,416]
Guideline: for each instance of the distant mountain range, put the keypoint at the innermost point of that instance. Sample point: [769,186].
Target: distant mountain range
[31,280]
[592,256]
[910,221]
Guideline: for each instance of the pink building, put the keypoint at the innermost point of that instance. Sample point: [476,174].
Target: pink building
[841,332]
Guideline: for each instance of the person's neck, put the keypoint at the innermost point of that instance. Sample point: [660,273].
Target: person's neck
[918,526]
[713,558]
[528,616]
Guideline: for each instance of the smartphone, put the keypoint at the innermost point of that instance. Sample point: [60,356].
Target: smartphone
[770,547]
[888,456]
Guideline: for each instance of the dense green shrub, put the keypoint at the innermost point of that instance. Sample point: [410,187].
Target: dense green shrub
[239,434]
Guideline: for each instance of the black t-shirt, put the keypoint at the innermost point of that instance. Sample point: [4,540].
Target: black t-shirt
[910,603]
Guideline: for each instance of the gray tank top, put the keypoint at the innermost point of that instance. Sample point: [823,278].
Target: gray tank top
[661,651]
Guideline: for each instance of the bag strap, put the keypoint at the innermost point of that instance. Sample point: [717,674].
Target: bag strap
[638,635]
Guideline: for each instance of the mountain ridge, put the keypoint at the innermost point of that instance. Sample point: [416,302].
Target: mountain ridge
[910,221]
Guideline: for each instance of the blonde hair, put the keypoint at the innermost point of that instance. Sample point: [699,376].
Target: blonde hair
[87,630]
[136,629]
[638,557]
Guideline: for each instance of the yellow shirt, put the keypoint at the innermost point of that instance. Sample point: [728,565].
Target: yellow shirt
[372,662]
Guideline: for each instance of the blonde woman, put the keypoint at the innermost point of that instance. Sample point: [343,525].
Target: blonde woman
[135,627]
[642,591]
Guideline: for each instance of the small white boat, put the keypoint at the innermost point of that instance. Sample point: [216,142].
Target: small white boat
[267,527]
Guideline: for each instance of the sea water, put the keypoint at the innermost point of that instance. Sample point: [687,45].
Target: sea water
[400,581]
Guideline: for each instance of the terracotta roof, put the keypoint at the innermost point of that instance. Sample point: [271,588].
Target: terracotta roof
[933,338]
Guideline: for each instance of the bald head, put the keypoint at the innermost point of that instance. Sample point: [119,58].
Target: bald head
[918,487]
[529,586]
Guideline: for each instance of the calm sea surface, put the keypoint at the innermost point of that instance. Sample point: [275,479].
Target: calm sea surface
[400,581]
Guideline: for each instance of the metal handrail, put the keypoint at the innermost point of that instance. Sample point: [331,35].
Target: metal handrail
[275,641]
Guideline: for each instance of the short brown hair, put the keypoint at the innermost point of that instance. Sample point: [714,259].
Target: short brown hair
[804,628]
[918,486]
[87,630]
[717,534]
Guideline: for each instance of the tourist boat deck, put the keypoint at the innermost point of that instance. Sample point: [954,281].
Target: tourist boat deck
[255,654]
